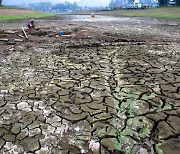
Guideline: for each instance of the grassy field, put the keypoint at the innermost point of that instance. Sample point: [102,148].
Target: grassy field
[11,13]
[161,12]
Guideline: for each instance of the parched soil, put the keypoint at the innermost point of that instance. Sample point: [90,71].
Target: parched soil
[7,11]
[107,86]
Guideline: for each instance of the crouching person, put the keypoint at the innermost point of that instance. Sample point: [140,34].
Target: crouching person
[31,24]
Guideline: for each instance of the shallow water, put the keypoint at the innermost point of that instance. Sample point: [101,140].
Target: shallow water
[98,18]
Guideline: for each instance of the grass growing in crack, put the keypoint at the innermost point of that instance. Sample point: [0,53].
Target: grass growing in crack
[121,142]
[23,16]
[144,133]
[136,126]
[158,150]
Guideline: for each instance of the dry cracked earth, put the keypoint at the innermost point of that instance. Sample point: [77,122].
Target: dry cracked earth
[95,91]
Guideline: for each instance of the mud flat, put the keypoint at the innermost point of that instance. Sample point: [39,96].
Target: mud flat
[103,87]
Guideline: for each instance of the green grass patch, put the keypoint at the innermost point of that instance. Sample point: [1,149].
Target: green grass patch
[23,16]
[155,15]
[158,150]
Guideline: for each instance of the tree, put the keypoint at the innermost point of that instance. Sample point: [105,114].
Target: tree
[163,2]
[178,2]
[0,2]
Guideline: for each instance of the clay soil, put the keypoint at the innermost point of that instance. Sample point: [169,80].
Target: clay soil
[7,11]
[108,85]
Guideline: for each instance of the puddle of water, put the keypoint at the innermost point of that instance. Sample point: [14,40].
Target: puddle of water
[97,18]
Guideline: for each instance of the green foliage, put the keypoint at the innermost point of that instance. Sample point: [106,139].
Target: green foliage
[49,7]
[163,2]
[44,6]
[129,4]
[178,2]
[22,16]
[64,7]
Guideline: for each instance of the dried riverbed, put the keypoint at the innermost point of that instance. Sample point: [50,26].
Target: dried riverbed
[107,87]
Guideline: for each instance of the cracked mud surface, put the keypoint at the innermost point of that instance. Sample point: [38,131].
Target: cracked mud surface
[107,94]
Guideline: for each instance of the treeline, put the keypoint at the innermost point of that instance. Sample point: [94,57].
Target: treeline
[169,2]
[131,4]
[60,7]
[127,3]
[49,7]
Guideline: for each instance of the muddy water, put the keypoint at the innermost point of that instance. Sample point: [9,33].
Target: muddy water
[98,18]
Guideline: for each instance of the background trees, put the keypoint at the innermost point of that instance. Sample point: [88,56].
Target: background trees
[49,7]
[178,2]
[163,2]
[114,3]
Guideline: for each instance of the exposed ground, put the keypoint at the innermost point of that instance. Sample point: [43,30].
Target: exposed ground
[110,85]
[13,14]
[7,11]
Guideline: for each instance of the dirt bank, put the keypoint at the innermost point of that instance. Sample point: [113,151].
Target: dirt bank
[11,11]
[103,87]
